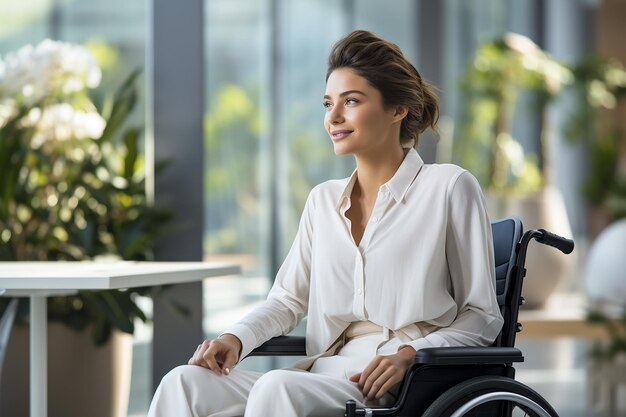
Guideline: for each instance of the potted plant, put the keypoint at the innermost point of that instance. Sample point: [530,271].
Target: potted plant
[72,184]
[515,181]
[600,87]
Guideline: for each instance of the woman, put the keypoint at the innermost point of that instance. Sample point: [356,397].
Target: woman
[393,259]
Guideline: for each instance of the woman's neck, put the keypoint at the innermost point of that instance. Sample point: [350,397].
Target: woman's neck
[375,170]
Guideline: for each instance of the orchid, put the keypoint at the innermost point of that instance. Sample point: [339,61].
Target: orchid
[51,80]
[49,69]
[72,181]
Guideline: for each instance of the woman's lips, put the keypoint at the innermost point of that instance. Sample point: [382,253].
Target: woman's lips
[340,134]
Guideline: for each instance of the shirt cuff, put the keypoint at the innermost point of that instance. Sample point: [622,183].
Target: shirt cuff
[245,335]
[424,342]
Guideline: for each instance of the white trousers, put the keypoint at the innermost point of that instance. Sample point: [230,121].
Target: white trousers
[194,391]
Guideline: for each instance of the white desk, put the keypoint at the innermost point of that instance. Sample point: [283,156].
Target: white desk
[38,280]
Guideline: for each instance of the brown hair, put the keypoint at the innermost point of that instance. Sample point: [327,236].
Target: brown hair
[385,67]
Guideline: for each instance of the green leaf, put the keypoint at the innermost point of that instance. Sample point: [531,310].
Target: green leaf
[106,307]
[14,146]
[101,331]
[107,216]
[131,139]
[123,103]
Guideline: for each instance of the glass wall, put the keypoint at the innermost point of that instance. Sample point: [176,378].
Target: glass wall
[266,144]
[234,129]
[467,25]
[115,31]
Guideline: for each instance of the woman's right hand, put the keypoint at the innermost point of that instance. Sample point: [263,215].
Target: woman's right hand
[218,355]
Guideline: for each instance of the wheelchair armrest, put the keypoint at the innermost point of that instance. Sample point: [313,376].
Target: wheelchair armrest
[282,346]
[468,355]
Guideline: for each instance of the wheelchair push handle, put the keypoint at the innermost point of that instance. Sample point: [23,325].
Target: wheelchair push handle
[548,238]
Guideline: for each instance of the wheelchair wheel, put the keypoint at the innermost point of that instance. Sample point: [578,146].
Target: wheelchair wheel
[477,392]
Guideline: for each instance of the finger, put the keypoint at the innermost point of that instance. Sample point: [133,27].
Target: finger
[355,377]
[230,361]
[196,355]
[368,370]
[392,378]
[206,356]
[373,378]
[191,359]
[372,384]
[210,360]
[378,383]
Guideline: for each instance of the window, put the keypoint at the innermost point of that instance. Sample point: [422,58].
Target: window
[266,146]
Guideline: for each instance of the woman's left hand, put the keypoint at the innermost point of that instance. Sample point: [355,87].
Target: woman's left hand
[383,372]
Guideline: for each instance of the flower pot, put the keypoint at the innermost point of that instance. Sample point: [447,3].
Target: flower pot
[604,271]
[83,380]
[546,266]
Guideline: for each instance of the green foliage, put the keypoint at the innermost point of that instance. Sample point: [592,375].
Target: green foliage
[232,144]
[600,85]
[80,199]
[499,73]
[239,157]
[616,200]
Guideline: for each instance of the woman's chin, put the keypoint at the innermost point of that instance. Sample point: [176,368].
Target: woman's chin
[341,150]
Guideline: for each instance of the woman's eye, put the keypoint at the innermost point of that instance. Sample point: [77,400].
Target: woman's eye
[326,104]
[351,101]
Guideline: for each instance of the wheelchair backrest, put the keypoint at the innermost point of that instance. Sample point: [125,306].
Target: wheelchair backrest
[507,233]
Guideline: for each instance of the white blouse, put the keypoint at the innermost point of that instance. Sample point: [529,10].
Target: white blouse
[424,268]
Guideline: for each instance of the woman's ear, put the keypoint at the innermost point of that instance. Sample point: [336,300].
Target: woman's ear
[400,113]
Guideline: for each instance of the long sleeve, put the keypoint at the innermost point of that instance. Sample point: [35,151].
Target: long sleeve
[469,254]
[287,301]
[425,262]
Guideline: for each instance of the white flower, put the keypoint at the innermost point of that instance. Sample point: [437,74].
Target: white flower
[521,44]
[42,79]
[61,122]
[88,124]
[534,59]
[51,68]
[7,110]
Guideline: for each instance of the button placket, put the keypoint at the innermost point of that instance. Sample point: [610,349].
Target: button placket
[345,206]
[377,212]
[359,287]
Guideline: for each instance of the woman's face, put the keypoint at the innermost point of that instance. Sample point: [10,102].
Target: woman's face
[355,119]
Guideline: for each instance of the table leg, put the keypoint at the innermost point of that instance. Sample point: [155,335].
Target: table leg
[38,357]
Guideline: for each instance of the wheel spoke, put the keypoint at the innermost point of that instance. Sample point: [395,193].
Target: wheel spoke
[497,396]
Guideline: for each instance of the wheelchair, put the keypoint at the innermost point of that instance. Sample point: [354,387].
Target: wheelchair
[466,381]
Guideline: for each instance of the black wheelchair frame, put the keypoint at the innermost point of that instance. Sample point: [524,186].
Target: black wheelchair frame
[466,381]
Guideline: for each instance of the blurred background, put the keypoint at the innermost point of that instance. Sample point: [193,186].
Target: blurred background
[214,126]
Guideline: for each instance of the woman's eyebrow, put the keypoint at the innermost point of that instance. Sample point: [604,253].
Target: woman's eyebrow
[347,93]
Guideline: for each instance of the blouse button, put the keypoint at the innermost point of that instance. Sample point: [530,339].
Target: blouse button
[374,219]
[359,291]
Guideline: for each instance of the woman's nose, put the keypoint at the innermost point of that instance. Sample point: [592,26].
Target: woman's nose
[335,115]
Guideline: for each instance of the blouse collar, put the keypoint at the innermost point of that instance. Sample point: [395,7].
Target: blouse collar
[398,185]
